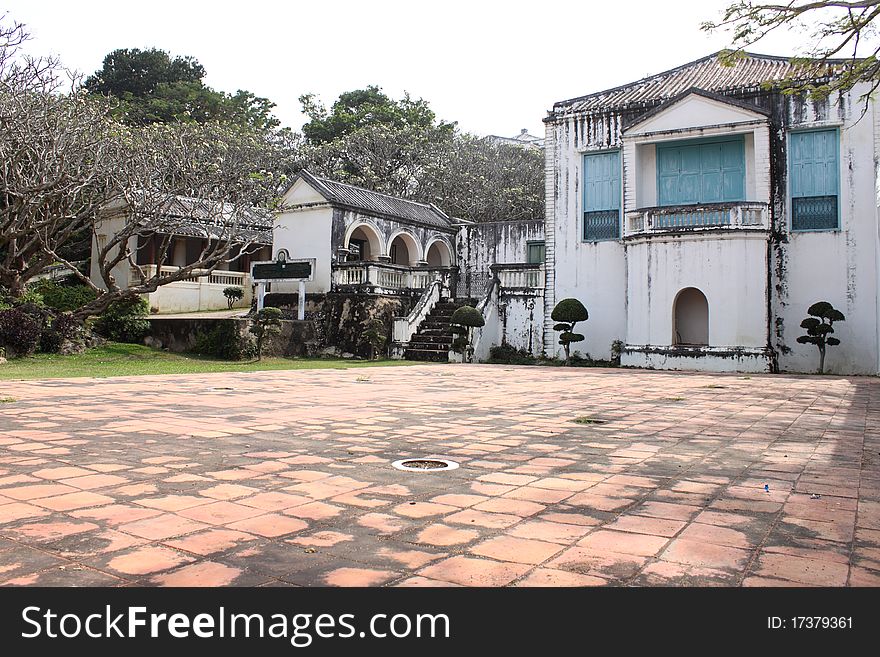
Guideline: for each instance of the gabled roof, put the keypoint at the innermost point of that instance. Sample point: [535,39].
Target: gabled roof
[708,73]
[662,107]
[372,202]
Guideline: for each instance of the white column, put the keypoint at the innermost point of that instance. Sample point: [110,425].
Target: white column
[301,308]
[261,293]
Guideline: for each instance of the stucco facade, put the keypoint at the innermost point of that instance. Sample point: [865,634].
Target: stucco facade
[692,257]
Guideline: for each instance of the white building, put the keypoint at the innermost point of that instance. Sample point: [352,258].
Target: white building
[698,213]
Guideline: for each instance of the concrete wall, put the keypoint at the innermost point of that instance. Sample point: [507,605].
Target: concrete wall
[485,244]
[305,233]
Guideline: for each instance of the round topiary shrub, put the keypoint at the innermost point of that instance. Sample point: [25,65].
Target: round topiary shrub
[467,318]
[567,313]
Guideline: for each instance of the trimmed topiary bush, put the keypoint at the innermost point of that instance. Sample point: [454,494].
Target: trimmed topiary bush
[567,314]
[466,318]
[819,327]
[125,320]
[19,332]
[232,295]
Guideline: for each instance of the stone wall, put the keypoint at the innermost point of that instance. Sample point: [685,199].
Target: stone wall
[180,335]
[339,318]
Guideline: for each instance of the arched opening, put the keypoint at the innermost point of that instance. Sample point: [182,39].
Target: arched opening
[691,318]
[404,250]
[363,243]
[439,255]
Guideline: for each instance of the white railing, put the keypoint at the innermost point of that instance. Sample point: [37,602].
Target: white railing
[748,215]
[405,327]
[520,276]
[388,277]
[216,277]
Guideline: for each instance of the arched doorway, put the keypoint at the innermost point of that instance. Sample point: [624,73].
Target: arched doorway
[363,243]
[404,250]
[439,254]
[690,318]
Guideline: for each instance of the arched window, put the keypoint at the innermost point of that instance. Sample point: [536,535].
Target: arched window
[690,318]
[439,255]
[404,250]
[364,243]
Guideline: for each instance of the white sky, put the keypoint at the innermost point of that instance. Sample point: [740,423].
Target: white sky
[495,67]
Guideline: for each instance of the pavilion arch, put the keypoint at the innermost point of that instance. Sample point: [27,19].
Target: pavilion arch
[690,318]
[439,253]
[374,245]
[404,249]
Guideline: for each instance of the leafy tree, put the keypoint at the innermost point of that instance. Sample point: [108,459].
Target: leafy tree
[265,323]
[362,108]
[820,326]
[567,313]
[374,337]
[151,86]
[467,318]
[839,31]
[232,295]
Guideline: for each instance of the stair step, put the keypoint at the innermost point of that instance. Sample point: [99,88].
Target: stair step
[432,355]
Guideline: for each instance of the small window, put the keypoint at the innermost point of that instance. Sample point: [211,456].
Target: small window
[535,253]
[814,175]
[601,197]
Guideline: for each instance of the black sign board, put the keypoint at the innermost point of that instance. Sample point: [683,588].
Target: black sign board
[281,270]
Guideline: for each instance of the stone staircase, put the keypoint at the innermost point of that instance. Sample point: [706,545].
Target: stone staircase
[433,340]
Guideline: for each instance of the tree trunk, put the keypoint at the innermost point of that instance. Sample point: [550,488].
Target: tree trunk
[567,348]
[821,360]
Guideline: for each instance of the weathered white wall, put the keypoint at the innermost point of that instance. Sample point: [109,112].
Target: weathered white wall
[839,266]
[305,233]
[482,245]
[730,269]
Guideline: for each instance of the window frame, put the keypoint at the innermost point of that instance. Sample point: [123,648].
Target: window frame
[701,141]
[529,245]
[835,128]
[582,196]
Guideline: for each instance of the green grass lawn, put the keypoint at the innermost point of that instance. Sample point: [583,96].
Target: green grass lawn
[116,359]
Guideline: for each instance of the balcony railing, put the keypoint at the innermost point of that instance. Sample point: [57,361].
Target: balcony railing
[216,277]
[387,276]
[520,275]
[745,215]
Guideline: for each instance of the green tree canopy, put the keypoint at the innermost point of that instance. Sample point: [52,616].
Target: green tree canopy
[154,87]
[362,108]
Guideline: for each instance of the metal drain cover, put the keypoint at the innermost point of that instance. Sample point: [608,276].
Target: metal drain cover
[422,465]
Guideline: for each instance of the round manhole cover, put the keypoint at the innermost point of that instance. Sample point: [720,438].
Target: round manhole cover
[421,465]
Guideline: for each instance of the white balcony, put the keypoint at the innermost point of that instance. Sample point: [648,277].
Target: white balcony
[520,276]
[745,215]
[379,276]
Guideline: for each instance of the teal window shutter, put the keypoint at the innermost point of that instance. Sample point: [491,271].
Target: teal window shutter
[814,179]
[702,172]
[601,196]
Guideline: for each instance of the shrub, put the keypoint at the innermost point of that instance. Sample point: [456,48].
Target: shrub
[265,323]
[63,297]
[567,313]
[374,337]
[232,295]
[224,341]
[819,327]
[468,318]
[510,355]
[125,320]
[19,332]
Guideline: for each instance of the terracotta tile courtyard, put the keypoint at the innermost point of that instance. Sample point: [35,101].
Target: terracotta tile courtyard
[285,478]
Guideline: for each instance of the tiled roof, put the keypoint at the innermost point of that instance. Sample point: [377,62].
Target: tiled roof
[377,203]
[707,73]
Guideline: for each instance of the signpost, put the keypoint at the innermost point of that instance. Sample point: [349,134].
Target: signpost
[282,270]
